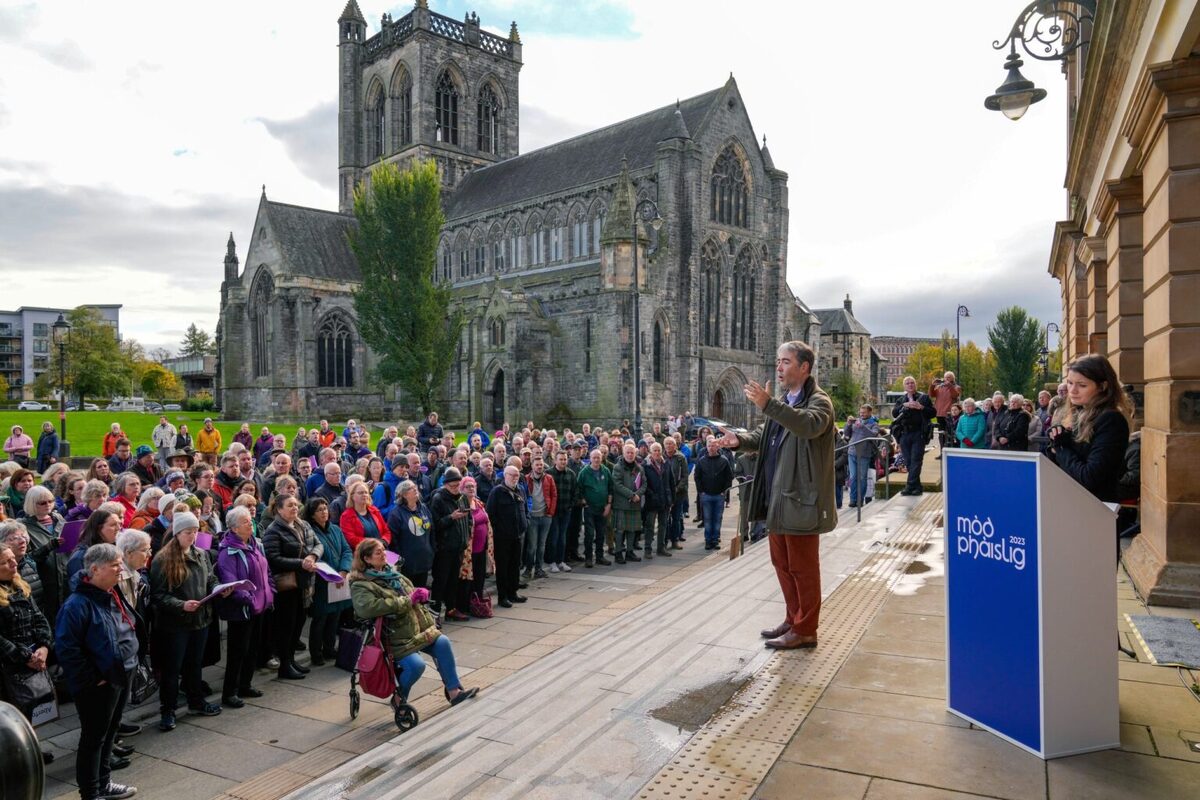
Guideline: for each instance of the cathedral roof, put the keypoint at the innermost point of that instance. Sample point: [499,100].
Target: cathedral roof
[575,162]
[313,242]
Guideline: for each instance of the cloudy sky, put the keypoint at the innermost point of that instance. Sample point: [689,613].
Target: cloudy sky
[135,136]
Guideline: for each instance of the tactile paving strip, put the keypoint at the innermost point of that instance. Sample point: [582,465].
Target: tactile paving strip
[730,756]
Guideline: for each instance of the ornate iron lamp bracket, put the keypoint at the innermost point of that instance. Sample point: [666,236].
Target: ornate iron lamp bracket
[1050,30]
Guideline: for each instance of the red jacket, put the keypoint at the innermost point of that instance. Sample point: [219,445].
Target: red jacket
[352,527]
[549,491]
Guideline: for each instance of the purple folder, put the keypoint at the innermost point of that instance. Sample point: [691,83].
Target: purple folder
[70,535]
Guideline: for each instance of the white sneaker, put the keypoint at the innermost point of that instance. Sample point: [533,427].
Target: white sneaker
[553,568]
[563,568]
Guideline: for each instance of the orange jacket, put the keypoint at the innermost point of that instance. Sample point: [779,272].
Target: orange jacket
[208,441]
[110,443]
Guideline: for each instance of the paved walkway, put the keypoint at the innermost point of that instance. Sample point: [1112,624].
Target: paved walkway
[300,729]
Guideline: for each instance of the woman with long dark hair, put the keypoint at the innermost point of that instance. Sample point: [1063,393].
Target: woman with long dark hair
[293,560]
[1090,431]
[180,577]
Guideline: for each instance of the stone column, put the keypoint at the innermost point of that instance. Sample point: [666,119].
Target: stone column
[1093,257]
[1165,560]
[1122,219]
[1075,322]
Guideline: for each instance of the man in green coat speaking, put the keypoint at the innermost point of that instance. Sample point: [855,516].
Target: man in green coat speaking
[793,490]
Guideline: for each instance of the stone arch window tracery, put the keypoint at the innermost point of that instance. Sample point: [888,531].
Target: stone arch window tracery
[260,300]
[599,214]
[445,99]
[512,242]
[745,280]
[478,253]
[658,355]
[402,108]
[496,241]
[497,332]
[710,294]
[335,352]
[729,196]
[487,125]
[577,227]
[555,236]
[445,260]
[376,112]
[535,241]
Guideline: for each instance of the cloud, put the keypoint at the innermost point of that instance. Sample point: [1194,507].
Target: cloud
[588,19]
[540,128]
[15,26]
[311,141]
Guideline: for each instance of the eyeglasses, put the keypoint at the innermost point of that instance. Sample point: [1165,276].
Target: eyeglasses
[45,502]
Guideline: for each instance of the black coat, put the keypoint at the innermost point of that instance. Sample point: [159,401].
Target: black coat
[909,420]
[660,488]
[1012,425]
[506,510]
[1096,465]
[426,433]
[284,551]
[449,534]
[713,474]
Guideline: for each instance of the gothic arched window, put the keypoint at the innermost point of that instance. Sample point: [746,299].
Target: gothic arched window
[335,352]
[376,110]
[599,214]
[260,299]
[402,105]
[496,239]
[496,332]
[745,275]
[487,121]
[729,196]
[578,227]
[446,109]
[513,240]
[710,294]
[659,354]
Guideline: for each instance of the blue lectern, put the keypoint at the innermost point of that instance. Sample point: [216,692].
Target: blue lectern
[1030,603]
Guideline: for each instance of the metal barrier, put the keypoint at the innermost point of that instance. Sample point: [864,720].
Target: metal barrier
[22,773]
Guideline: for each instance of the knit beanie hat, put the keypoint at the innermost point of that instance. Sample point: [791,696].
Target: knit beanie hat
[451,475]
[184,521]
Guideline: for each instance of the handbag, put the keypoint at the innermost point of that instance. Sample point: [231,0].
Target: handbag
[142,683]
[286,582]
[27,688]
[376,673]
[481,605]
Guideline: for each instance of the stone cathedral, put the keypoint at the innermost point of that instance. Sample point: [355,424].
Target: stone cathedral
[538,248]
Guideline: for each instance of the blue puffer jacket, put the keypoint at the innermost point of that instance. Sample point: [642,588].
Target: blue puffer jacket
[94,640]
[973,428]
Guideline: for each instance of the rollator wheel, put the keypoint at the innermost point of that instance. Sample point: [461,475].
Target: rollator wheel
[355,702]
[406,717]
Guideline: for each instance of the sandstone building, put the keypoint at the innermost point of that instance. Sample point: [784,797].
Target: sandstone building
[845,347]
[537,246]
[1128,259]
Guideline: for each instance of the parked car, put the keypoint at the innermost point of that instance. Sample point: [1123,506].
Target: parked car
[153,408]
[719,425]
[73,406]
[172,407]
[32,405]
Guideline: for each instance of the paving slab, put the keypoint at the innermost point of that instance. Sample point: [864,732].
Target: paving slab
[1118,775]
[894,790]
[788,781]
[895,674]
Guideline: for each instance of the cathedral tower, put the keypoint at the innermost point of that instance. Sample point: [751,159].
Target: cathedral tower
[425,86]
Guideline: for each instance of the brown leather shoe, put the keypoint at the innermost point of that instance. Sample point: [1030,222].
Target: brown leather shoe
[777,631]
[792,641]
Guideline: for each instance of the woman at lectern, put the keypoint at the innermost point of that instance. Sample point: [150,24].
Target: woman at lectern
[1089,432]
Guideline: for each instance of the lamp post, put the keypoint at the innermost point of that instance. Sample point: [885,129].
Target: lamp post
[648,209]
[1048,30]
[958,316]
[1050,326]
[61,332]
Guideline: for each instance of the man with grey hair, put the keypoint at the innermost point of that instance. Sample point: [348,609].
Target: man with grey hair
[793,490]
[97,648]
[911,416]
[506,510]
[332,489]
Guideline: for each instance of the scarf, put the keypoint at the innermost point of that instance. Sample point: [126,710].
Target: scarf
[16,501]
[389,577]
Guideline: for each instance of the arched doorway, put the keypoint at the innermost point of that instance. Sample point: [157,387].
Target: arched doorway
[497,408]
[718,405]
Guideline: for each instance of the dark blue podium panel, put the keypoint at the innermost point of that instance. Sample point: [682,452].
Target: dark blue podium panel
[992,601]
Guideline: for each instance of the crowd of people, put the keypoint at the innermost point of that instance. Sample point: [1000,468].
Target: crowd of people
[186,549]
[118,580]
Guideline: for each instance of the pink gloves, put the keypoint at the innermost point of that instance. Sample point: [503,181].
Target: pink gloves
[419,595]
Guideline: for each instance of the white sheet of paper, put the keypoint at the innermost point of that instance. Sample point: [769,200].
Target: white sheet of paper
[338,592]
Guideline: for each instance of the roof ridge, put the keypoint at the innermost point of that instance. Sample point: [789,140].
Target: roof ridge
[594,131]
[309,208]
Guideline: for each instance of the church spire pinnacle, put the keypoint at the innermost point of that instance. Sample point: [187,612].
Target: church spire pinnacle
[231,260]
[513,35]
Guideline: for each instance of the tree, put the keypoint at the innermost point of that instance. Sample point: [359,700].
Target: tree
[1016,339]
[98,365]
[846,393]
[402,314]
[3,388]
[196,342]
[156,380]
[975,376]
[159,354]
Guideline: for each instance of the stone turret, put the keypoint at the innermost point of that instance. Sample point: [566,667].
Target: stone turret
[231,260]
[352,33]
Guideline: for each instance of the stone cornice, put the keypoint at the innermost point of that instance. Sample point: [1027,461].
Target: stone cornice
[1119,197]
[1062,249]
[1157,82]
[1091,249]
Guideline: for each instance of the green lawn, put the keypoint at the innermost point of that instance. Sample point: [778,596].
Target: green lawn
[86,429]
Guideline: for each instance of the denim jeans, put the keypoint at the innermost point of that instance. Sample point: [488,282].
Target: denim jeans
[412,666]
[860,469]
[713,507]
[595,526]
[675,523]
[556,543]
[535,541]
